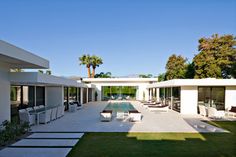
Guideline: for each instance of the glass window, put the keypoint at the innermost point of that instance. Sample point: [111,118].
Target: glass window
[72,94]
[40,96]
[212,97]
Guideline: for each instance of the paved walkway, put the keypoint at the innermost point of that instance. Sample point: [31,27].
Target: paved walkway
[87,120]
[43,145]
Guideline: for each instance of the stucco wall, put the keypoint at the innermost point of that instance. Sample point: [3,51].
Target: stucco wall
[189,98]
[4,93]
[230,96]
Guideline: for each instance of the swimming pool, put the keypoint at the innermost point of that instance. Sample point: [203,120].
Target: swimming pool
[120,106]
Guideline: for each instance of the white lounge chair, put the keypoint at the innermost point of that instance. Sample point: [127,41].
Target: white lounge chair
[45,117]
[135,116]
[159,108]
[213,113]
[105,116]
[202,110]
[54,113]
[231,111]
[26,117]
[120,115]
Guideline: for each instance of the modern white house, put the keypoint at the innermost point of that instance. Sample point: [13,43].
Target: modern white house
[26,89]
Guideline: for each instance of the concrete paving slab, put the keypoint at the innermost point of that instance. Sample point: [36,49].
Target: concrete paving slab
[46,142]
[56,135]
[34,152]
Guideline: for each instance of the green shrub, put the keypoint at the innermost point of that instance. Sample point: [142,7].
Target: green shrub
[11,131]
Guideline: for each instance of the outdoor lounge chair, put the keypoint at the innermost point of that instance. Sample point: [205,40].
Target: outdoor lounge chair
[202,110]
[25,116]
[231,111]
[135,116]
[120,115]
[164,108]
[106,115]
[213,113]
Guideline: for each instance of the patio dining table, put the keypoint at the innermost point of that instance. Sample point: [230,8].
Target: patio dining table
[39,111]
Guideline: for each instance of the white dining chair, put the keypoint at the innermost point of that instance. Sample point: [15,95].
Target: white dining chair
[26,117]
[45,117]
[54,113]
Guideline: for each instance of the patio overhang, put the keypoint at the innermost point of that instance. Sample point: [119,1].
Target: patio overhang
[35,78]
[194,82]
[16,57]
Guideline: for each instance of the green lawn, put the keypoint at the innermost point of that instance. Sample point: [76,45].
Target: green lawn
[159,144]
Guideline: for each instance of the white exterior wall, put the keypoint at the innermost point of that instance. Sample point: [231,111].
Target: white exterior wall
[55,96]
[189,98]
[230,96]
[5,113]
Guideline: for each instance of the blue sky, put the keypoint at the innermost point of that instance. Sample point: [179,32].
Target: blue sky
[132,36]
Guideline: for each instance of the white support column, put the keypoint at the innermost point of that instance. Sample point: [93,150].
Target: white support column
[171,97]
[189,98]
[230,96]
[87,95]
[35,95]
[81,95]
[157,94]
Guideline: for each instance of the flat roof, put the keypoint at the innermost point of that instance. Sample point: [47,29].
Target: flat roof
[194,82]
[113,80]
[35,78]
[17,57]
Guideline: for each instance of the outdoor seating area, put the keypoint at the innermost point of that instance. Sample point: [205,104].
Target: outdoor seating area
[123,111]
[213,113]
[41,114]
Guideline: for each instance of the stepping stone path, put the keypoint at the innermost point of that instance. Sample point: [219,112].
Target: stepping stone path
[44,144]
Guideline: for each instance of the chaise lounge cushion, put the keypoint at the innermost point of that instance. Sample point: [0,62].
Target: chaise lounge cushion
[233,109]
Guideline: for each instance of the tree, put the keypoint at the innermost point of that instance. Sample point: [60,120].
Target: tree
[145,76]
[190,71]
[95,62]
[175,67]
[17,70]
[40,71]
[216,58]
[233,70]
[103,75]
[162,77]
[86,60]
[48,72]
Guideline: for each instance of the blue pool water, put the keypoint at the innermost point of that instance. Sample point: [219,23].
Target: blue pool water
[120,106]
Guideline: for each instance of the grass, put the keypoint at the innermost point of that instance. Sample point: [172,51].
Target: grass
[159,144]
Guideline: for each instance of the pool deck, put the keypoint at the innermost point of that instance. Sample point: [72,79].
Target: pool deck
[87,120]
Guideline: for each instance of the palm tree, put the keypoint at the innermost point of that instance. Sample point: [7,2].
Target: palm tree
[95,62]
[86,60]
